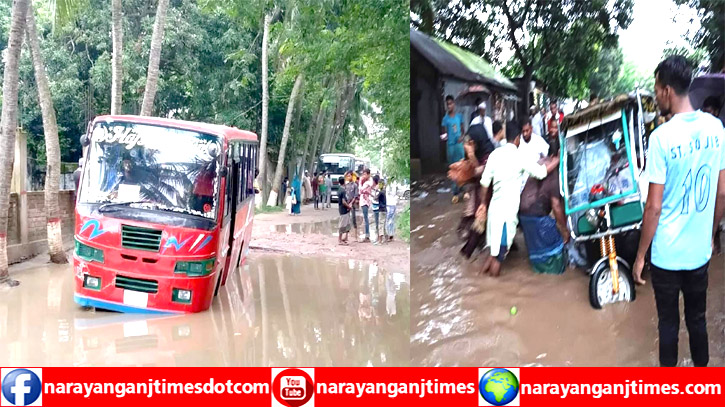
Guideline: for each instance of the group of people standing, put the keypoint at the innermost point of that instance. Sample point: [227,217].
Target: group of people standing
[306,190]
[366,194]
[507,175]
[321,190]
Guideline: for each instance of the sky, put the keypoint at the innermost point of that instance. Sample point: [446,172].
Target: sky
[652,28]
[655,23]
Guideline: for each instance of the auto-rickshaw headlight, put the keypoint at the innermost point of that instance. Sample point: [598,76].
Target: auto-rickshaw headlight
[592,217]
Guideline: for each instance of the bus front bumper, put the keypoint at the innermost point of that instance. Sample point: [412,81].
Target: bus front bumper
[134,291]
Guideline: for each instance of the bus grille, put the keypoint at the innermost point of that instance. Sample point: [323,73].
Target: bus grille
[133,237]
[137,284]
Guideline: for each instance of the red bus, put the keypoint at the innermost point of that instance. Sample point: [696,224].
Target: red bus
[164,213]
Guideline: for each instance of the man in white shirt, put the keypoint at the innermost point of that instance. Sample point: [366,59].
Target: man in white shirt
[503,172]
[532,147]
[532,144]
[537,120]
[487,122]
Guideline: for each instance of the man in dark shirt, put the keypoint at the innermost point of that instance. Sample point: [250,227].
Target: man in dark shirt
[315,190]
[344,209]
[545,236]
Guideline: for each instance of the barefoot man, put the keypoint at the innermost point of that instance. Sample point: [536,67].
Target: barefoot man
[504,169]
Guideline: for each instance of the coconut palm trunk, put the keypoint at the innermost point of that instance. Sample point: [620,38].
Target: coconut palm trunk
[8,126]
[308,135]
[265,110]
[274,190]
[325,122]
[152,76]
[116,57]
[329,130]
[52,145]
[347,95]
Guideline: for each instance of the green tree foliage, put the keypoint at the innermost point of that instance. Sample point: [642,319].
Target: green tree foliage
[711,35]
[210,68]
[614,75]
[605,74]
[558,41]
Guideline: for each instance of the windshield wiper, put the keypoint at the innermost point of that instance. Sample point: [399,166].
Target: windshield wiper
[108,205]
[176,209]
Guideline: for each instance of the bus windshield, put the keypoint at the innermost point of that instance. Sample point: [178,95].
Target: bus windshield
[335,164]
[152,167]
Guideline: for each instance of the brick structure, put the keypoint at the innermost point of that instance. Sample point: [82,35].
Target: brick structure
[37,221]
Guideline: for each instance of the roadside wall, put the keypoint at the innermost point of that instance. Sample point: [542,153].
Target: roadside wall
[36,224]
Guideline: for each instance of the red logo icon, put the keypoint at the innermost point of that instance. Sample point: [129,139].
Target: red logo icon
[292,387]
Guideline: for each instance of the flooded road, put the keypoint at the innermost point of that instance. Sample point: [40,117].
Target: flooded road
[277,310]
[460,318]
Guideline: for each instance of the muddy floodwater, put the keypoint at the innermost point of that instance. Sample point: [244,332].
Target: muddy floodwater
[278,310]
[460,318]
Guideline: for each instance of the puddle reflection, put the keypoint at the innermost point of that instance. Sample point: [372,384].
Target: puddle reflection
[278,310]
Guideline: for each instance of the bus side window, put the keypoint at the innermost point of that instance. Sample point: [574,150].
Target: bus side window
[252,167]
[228,188]
[243,173]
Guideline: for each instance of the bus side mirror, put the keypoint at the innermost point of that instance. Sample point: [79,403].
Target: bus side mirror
[85,140]
[223,172]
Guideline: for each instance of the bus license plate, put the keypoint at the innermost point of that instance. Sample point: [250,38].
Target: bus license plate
[135,298]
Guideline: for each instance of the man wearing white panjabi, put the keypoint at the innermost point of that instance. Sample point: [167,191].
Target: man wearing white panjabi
[503,173]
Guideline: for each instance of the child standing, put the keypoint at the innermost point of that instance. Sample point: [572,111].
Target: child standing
[344,206]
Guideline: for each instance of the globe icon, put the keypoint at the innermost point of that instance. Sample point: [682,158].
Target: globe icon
[498,387]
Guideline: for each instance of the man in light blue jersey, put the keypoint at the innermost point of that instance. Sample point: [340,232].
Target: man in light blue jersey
[685,169]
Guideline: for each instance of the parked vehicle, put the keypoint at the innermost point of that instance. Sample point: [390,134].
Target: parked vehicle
[361,164]
[164,213]
[337,164]
[602,158]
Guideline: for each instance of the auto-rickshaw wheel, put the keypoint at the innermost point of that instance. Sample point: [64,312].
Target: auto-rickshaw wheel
[600,285]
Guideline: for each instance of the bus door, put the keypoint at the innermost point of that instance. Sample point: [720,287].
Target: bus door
[230,199]
[243,206]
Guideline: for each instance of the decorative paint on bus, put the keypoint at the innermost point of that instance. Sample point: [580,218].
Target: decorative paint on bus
[95,227]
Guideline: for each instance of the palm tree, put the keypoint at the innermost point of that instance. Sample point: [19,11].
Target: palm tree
[52,144]
[314,119]
[117,57]
[283,145]
[346,96]
[152,76]
[8,125]
[324,124]
[265,108]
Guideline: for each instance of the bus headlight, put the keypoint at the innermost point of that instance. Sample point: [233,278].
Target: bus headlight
[92,282]
[182,296]
[88,253]
[195,268]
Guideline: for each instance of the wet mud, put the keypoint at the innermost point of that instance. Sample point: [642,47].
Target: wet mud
[461,318]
